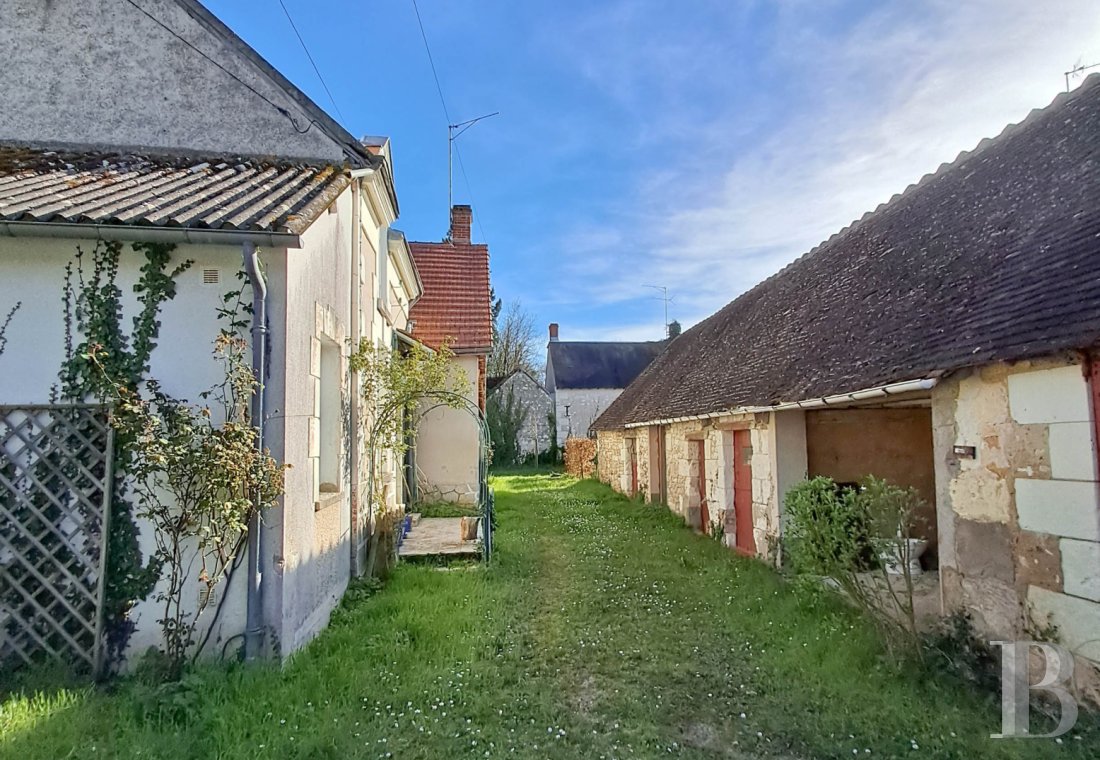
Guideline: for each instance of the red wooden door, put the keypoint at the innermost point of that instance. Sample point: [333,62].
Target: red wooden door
[704,512]
[742,492]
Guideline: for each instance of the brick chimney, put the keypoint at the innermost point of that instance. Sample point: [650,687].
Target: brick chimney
[461,218]
[553,331]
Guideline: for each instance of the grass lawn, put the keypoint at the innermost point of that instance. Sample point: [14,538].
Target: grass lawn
[603,629]
[446,509]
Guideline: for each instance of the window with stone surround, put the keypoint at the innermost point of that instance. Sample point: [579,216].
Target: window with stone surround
[326,428]
[329,419]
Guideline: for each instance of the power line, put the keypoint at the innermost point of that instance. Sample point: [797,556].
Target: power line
[450,141]
[431,60]
[316,70]
[230,74]
[470,190]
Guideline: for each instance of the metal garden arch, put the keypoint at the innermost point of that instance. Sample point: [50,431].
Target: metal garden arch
[428,402]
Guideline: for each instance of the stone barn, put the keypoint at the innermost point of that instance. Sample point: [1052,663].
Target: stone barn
[948,341]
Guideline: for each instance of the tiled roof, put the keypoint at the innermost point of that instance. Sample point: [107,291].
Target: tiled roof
[995,257]
[455,306]
[582,364]
[106,188]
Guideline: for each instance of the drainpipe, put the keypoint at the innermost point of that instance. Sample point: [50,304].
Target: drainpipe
[356,337]
[254,625]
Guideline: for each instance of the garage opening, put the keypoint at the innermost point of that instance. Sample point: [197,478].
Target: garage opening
[894,444]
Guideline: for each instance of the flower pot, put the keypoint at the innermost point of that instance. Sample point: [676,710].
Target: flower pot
[468,528]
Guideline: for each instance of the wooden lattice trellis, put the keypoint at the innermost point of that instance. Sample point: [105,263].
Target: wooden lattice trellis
[56,478]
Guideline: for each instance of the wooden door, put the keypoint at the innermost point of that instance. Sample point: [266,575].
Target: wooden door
[632,452]
[704,511]
[657,483]
[742,492]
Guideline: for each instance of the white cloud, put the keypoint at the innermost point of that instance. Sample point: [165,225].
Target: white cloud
[867,112]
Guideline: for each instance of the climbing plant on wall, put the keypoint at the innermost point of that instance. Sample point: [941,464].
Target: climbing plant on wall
[398,386]
[506,416]
[6,323]
[195,470]
[95,326]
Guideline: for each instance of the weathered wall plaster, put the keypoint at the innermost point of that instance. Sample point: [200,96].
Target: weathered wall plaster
[446,449]
[1020,525]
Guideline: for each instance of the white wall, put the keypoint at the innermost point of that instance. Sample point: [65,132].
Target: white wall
[447,447]
[788,431]
[584,406]
[309,552]
[32,270]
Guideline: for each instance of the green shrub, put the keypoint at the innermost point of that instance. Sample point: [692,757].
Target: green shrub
[838,534]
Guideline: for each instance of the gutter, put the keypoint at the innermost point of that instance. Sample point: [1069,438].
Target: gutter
[149,234]
[878,391]
[254,625]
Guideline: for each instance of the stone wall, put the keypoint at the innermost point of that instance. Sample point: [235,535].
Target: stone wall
[683,470]
[610,459]
[1019,525]
[534,433]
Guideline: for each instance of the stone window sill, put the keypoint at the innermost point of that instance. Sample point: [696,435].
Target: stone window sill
[327,500]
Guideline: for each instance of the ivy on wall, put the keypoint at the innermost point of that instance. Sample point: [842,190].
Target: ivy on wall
[5,323]
[95,326]
[194,471]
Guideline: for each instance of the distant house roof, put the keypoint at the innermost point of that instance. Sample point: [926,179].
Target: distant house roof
[582,364]
[113,189]
[995,257]
[494,382]
[455,307]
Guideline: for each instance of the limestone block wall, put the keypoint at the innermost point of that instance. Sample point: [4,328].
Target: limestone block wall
[611,463]
[778,461]
[1019,522]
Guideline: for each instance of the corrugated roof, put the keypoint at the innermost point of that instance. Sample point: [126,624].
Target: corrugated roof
[591,364]
[114,188]
[455,306]
[995,257]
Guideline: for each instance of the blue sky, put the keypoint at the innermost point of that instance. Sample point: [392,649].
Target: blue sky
[698,145]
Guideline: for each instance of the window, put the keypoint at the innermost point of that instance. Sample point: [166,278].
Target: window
[328,474]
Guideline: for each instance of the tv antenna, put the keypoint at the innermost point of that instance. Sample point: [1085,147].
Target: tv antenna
[663,297]
[452,135]
[1077,69]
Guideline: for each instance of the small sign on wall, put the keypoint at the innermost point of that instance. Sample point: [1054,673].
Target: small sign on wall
[966,452]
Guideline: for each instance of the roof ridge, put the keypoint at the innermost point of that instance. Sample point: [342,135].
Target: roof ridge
[1059,101]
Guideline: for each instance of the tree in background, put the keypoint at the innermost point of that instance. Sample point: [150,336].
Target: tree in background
[505,415]
[514,337]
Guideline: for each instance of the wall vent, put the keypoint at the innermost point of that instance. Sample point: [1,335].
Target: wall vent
[208,597]
[211,276]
